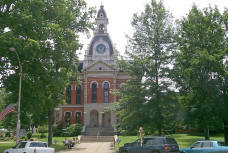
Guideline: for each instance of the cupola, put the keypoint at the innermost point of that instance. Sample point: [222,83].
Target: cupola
[101,20]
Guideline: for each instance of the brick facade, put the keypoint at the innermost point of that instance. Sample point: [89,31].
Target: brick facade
[97,66]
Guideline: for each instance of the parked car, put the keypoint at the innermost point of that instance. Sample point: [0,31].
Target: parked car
[151,145]
[206,147]
[30,147]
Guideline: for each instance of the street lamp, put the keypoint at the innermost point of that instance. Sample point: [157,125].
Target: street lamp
[19,96]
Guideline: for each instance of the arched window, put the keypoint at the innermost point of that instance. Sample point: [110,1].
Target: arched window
[68,94]
[106,92]
[67,118]
[101,28]
[78,116]
[78,94]
[94,92]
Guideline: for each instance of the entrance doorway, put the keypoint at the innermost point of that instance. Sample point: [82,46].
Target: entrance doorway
[94,118]
[106,119]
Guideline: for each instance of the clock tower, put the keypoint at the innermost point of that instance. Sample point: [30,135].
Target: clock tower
[87,99]
[101,47]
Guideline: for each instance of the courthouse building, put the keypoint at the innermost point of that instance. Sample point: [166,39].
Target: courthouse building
[87,99]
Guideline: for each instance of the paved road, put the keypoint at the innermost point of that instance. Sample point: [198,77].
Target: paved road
[96,147]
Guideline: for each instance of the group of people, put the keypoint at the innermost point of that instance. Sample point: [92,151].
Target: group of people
[70,143]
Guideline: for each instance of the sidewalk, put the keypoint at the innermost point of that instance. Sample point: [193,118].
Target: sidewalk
[95,147]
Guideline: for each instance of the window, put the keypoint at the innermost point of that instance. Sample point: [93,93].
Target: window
[207,144]
[153,141]
[36,144]
[78,94]
[78,117]
[106,92]
[171,141]
[68,94]
[101,28]
[94,92]
[220,143]
[21,145]
[196,145]
[67,118]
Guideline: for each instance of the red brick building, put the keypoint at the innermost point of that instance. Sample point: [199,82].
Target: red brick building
[87,100]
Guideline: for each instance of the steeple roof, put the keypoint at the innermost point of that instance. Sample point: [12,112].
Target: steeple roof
[101,13]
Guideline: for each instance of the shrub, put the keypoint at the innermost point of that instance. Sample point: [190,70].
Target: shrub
[43,129]
[29,134]
[43,135]
[7,134]
[74,129]
[58,131]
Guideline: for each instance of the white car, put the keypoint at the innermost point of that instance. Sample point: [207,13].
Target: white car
[30,147]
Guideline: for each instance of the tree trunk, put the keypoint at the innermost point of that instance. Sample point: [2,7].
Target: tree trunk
[160,132]
[226,131]
[207,133]
[50,123]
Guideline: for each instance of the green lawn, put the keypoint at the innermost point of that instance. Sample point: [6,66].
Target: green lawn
[6,145]
[59,146]
[183,140]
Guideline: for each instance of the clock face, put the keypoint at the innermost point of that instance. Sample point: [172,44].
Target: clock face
[100,48]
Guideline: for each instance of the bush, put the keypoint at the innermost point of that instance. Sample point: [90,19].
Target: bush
[74,130]
[58,131]
[43,129]
[42,136]
[7,134]
[71,131]
[29,134]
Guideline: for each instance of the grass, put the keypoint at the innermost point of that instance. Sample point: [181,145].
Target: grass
[6,145]
[183,140]
[59,146]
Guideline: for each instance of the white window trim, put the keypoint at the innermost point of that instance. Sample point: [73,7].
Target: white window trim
[104,83]
[67,112]
[93,82]
[77,112]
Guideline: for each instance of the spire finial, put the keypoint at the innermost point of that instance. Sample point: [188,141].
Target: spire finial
[102,4]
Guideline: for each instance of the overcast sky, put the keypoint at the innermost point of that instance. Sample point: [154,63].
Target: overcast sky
[120,14]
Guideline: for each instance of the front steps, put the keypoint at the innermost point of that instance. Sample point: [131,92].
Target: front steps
[99,131]
[97,138]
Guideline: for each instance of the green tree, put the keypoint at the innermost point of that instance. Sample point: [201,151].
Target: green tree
[202,48]
[148,99]
[45,36]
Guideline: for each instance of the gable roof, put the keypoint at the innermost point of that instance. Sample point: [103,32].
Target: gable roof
[97,63]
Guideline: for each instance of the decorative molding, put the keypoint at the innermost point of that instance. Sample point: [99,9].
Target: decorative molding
[67,112]
[94,81]
[105,82]
[72,106]
[77,112]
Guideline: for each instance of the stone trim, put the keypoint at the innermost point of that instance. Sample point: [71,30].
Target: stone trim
[94,81]
[67,112]
[77,112]
[105,82]
[72,106]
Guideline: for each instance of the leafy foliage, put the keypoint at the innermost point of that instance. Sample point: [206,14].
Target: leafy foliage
[29,135]
[148,98]
[74,130]
[199,66]
[45,36]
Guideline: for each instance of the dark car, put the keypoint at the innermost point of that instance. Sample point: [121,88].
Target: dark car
[151,145]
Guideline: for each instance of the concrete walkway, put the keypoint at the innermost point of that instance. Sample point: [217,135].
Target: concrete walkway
[95,147]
